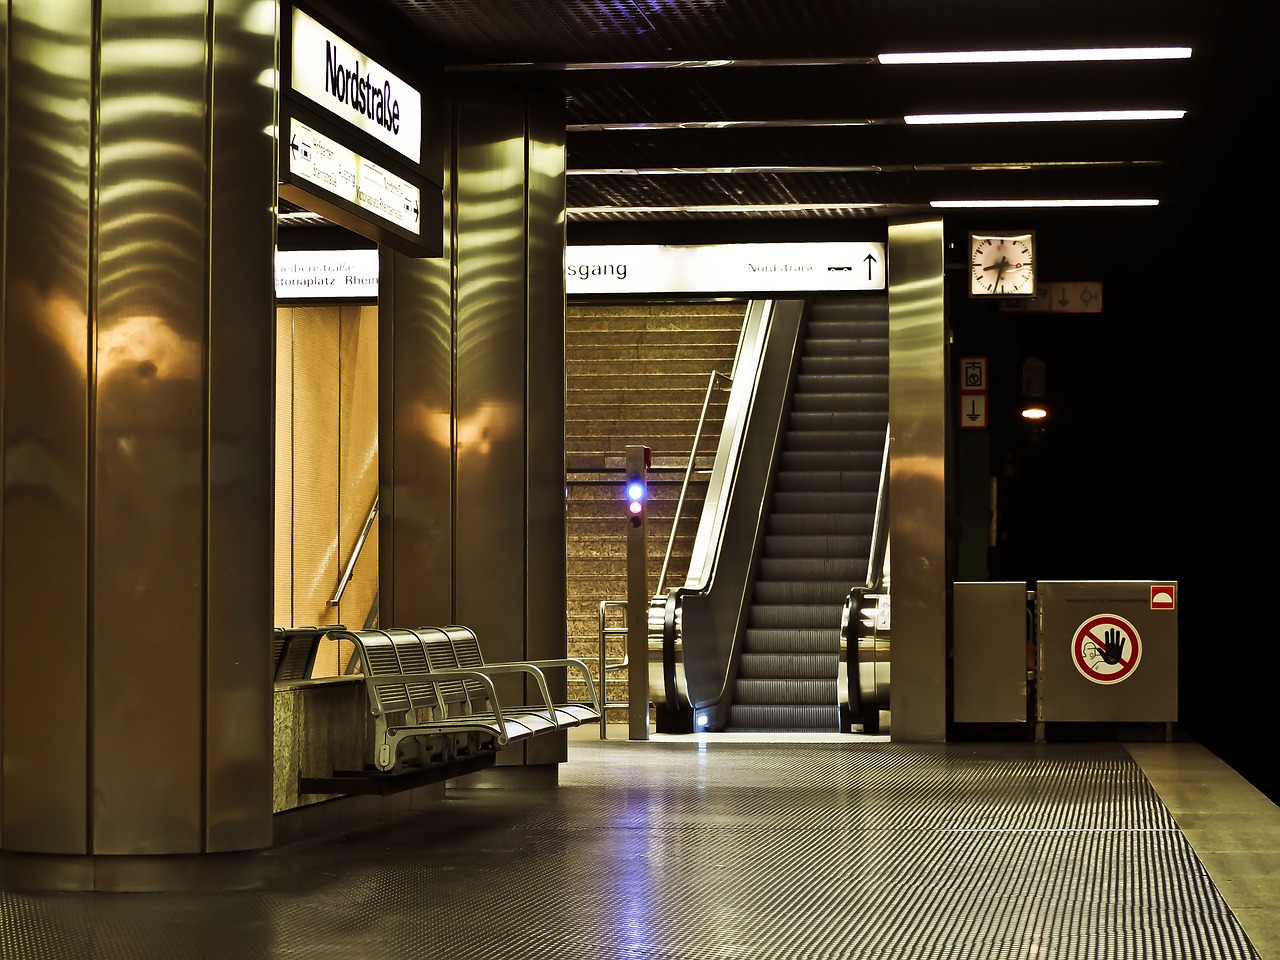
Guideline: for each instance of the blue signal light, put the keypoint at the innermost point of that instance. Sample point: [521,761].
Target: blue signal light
[636,491]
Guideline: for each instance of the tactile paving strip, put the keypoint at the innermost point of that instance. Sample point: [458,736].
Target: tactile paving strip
[710,852]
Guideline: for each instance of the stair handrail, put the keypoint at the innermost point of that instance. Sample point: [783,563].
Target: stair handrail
[716,376]
[880,525]
[341,588]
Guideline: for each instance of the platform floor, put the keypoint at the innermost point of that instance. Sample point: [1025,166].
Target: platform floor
[714,847]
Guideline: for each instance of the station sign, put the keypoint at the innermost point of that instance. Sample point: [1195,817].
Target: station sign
[353,87]
[732,268]
[327,274]
[352,139]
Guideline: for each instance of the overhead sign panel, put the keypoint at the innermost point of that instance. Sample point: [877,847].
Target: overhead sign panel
[356,89]
[725,268]
[326,274]
[344,173]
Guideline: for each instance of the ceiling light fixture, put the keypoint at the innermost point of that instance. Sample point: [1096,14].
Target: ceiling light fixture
[1039,56]
[1045,116]
[734,208]
[995,204]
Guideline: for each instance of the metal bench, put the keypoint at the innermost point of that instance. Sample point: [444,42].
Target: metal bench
[429,709]
[293,651]
[466,648]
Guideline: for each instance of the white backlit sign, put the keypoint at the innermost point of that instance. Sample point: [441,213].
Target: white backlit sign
[326,274]
[344,173]
[334,75]
[726,268]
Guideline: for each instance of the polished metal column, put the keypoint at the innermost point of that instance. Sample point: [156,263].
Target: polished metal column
[135,708]
[473,394]
[917,480]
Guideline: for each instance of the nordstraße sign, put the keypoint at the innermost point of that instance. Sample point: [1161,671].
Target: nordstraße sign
[357,90]
[725,268]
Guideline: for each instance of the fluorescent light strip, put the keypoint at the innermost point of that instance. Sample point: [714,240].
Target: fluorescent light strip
[853,168]
[1045,117]
[724,124]
[736,208]
[995,204]
[1039,56]
[530,67]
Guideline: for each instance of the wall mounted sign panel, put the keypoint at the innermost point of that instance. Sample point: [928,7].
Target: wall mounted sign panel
[342,80]
[326,274]
[344,173]
[725,268]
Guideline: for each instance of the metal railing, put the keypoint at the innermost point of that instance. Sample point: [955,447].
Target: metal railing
[606,667]
[716,375]
[345,579]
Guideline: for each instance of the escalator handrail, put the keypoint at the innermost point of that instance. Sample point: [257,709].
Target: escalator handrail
[716,375]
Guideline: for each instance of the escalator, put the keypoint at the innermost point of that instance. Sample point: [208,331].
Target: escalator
[820,522]
[760,636]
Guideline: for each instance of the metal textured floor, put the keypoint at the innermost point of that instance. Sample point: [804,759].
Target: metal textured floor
[708,850]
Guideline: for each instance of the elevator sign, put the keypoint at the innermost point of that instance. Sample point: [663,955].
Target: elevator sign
[344,173]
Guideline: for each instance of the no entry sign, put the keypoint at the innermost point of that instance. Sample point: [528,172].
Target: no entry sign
[1106,648]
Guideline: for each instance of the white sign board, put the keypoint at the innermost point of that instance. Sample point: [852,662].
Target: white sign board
[336,76]
[725,268]
[344,173]
[326,274]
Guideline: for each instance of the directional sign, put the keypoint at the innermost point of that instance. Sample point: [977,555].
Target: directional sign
[1106,648]
[343,172]
[725,268]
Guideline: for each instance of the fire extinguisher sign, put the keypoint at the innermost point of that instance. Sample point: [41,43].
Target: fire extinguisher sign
[1106,649]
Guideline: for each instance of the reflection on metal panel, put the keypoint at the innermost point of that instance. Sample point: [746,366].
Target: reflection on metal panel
[415,456]
[546,561]
[492,333]
[546,400]
[47,124]
[149,441]
[917,479]
[283,580]
[238,712]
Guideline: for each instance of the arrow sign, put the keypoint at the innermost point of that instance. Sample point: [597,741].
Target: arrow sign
[356,179]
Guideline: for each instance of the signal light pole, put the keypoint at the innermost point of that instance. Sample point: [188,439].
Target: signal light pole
[636,495]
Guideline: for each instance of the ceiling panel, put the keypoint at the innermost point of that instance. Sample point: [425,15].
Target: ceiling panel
[806,99]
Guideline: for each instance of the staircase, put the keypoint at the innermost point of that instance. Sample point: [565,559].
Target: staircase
[819,526]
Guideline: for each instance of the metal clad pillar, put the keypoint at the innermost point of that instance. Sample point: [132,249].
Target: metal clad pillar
[473,396]
[137,450]
[917,479]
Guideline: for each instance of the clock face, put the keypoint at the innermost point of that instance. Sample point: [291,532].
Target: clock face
[1002,265]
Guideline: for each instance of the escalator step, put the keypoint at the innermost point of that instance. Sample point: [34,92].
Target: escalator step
[823,502]
[791,641]
[793,616]
[820,524]
[792,691]
[765,717]
[833,546]
[808,568]
[828,592]
[828,481]
[791,666]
